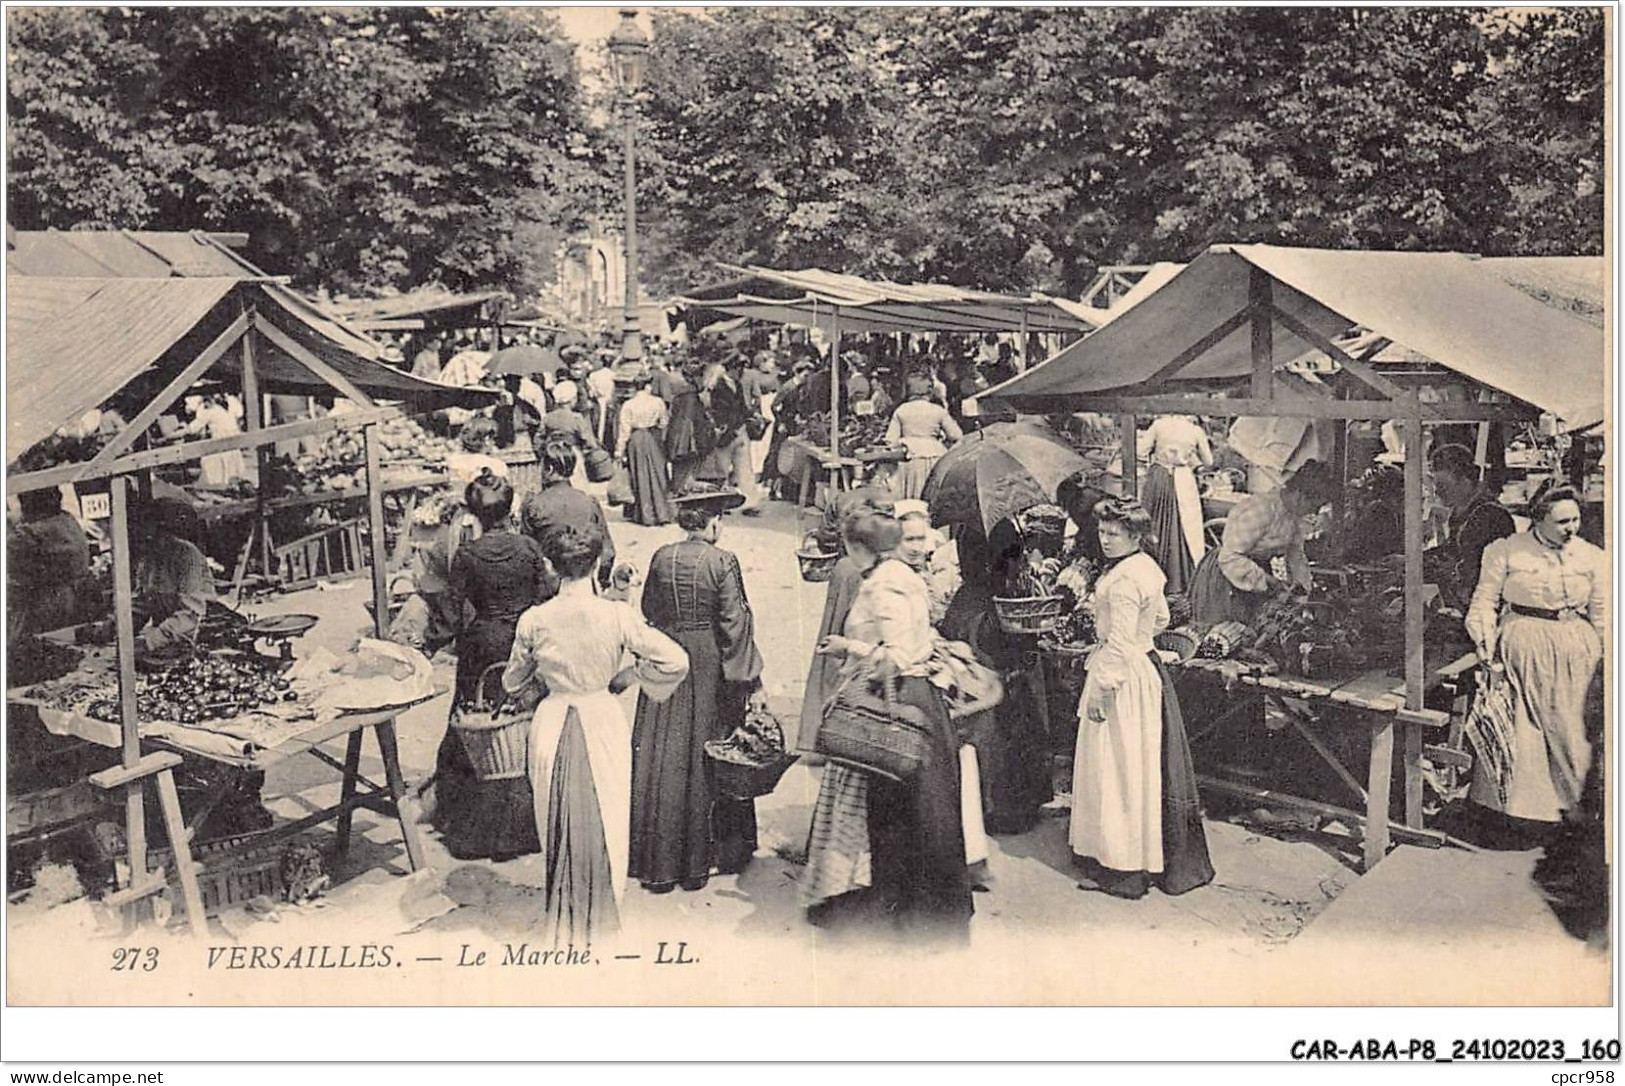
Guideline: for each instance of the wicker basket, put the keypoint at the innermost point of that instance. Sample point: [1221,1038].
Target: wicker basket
[1182,642]
[817,566]
[739,780]
[496,737]
[1029,614]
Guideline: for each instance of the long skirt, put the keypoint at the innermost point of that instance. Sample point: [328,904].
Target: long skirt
[681,828]
[581,773]
[1135,807]
[911,476]
[646,469]
[685,471]
[917,869]
[823,676]
[1175,506]
[740,474]
[1550,666]
[1214,599]
[480,819]
[760,447]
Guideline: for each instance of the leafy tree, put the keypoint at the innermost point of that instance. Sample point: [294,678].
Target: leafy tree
[359,148]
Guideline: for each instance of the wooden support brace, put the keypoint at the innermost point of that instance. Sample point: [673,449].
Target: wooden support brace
[172,392]
[149,765]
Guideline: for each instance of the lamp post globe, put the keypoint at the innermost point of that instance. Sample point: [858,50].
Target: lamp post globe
[628,51]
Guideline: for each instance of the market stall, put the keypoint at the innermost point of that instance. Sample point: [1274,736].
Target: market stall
[1214,341]
[840,305]
[82,345]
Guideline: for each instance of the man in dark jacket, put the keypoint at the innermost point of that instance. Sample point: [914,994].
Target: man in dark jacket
[558,505]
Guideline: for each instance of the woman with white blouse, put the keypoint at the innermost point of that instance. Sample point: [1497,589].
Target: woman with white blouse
[1537,618]
[902,840]
[1176,446]
[1136,816]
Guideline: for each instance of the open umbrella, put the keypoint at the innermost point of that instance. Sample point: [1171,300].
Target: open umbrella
[997,472]
[523,360]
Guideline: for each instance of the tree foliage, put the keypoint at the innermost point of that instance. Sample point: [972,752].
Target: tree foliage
[1023,147]
[359,148]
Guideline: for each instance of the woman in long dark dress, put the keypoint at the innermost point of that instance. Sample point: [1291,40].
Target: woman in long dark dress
[690,438]
[695,594]
[500,574]
[905,842]
[1011,748]
[639,445]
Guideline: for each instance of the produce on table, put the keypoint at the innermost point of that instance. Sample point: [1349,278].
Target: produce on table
[214,687]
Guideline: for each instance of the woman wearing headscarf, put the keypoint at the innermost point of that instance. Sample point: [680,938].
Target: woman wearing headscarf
[1136,815]
[682,829]
[500,575]
[571,651]
[1538,618]
[1175,445]
[902,840]
[927,429]
[1233,581]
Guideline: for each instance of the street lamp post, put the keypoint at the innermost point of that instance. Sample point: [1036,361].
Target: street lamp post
[628,49]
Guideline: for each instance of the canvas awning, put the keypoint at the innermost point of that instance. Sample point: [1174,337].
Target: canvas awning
[1447,307]
[73,343]
[427,307]
[831,301]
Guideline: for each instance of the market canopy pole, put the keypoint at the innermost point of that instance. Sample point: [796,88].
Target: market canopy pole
[835,388]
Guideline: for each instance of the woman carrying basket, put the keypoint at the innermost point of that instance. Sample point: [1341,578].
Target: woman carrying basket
[903,839]
[571,649]
[499,575]
[695,594]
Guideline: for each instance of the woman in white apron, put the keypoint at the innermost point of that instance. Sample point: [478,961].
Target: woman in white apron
[1176,446]
[572,648]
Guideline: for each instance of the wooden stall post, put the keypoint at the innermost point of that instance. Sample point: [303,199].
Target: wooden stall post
[135,815]
[253,422]
[1260,301]
[835,388]
[1415,619]
[1128,437]
[375,525]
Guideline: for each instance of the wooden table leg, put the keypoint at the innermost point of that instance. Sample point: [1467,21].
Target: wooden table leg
[406,806]
[1377,788]
[807,468]
[352,770]
[169,801]
[1413,776]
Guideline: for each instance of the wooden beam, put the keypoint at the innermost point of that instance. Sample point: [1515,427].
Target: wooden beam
[1379,780]
[375,525]
[1260,294]
[1366,375]
[173,391]
[192,450]
[305,358]
[135,816]
[1415,619]
[1266,796]
[1200,347]
[834,393]
[251,383]
[1128,438]
[1160,403]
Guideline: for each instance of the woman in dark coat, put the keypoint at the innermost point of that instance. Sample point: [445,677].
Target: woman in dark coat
[695,594]
[691,436]
[1012,750]
[501,575]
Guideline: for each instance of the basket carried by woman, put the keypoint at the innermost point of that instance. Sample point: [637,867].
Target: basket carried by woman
[817,563]
[1029,615]
[750,762]
[494,732]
